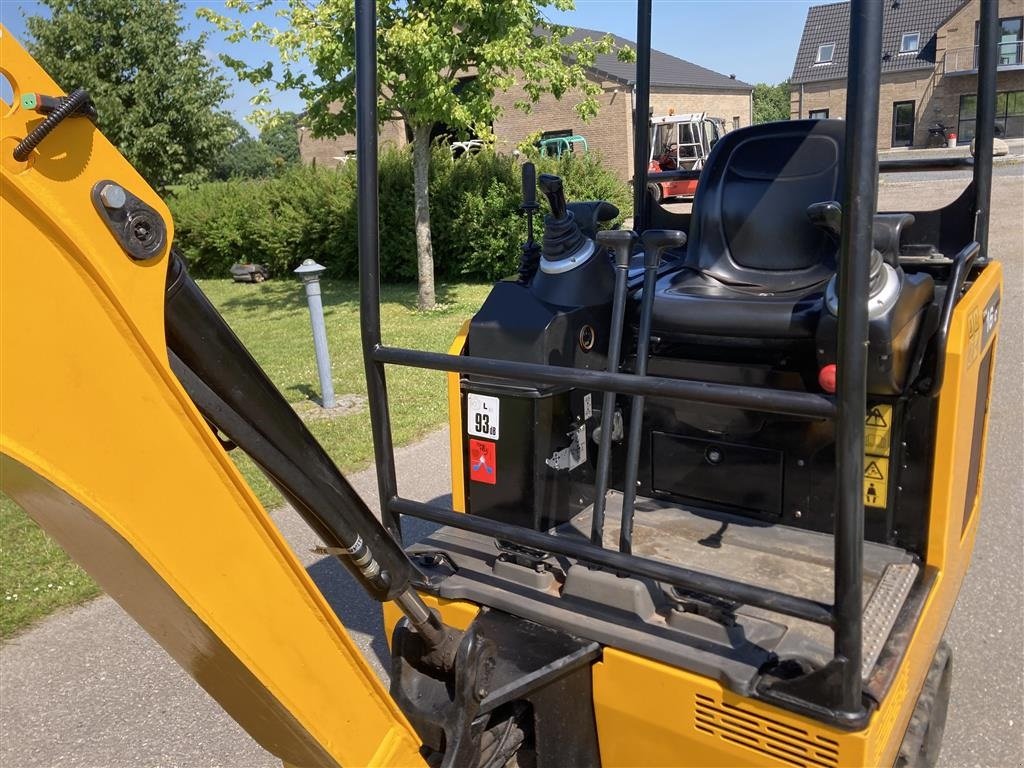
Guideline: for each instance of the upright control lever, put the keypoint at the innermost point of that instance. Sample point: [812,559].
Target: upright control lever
[620,242]
[553,190]
[655,242]
[529,260]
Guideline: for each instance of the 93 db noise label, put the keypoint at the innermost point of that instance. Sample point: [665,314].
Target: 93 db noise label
[483,416]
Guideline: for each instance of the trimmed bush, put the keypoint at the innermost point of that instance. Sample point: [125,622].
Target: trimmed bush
[311,213]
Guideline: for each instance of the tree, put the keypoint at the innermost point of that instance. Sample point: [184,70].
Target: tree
[280,134]
[439,62]
[245,157]
[156,93]
[771,102]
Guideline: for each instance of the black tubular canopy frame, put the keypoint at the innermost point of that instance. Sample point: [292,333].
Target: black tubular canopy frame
[846,409]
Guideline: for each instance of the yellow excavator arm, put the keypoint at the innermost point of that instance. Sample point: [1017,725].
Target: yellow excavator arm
[104,449]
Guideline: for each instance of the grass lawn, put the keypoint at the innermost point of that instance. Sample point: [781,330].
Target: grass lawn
[271,318]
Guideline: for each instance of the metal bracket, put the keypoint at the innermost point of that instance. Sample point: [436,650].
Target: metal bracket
[574,454]
[138,228]
[472,710]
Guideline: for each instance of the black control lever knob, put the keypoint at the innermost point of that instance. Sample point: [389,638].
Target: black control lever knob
[657,241]
[551,186]
[827,216]
[620,242]
[529,187]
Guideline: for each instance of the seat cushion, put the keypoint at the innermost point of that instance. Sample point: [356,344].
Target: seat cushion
[689,303]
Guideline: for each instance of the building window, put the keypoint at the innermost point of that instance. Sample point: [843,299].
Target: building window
[903,123]
[818,114]
[736,122]
[825,53]
[1011,40]
[910,42]
[1009,116]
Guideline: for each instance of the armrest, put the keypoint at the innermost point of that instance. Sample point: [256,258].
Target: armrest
[590,214]
[888,231]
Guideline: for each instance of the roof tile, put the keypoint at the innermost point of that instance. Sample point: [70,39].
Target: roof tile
[666,70]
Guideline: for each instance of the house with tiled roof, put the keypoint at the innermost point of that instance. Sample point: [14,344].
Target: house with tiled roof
[677,85]
[929,68]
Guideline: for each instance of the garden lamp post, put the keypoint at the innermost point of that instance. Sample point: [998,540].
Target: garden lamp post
[310,273]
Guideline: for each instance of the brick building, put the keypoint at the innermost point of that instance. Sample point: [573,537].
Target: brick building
[676,84]
[929,68]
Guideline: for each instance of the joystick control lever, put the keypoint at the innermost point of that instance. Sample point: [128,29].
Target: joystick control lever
[656,242]
[620,242]
[529,260]
[553,190]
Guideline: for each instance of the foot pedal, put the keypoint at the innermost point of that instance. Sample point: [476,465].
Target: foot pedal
[882,609]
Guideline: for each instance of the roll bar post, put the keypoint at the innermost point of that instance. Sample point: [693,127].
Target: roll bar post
[861,195]
[985,120]
[641,114]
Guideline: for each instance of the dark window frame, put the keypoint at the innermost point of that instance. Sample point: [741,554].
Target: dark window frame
[913,122]
[1009,107]
[1015,54]
[817,114]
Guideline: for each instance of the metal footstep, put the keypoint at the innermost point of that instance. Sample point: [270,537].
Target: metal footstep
[883,608]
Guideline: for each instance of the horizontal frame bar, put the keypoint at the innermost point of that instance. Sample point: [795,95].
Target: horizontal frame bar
[803,404]
[582,549]
[922,164]
[680,175]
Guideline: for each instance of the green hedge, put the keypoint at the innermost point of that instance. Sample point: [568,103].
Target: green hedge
[311,213]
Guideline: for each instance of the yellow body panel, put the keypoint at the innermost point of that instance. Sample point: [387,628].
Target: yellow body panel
[455,423]
[101,445]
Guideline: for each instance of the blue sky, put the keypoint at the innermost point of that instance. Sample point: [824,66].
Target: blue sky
[754,39]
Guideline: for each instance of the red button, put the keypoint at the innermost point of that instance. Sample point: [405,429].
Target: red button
[827,378]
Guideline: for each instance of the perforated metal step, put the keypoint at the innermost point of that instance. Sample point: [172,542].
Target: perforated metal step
[882,609]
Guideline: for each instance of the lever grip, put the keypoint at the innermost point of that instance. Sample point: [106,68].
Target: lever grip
[620,242]
[826,216]
[553,190]
[656,241]
[529,187]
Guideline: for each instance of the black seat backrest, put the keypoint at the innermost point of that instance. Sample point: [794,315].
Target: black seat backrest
[749,224]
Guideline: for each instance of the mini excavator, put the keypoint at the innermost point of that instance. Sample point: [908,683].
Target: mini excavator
[716,479]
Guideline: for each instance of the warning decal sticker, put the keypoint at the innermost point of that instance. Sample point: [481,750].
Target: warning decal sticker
[482,414]
[878,430]
[483,462]
[876,481]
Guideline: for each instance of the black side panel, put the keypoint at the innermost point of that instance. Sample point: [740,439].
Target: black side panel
[723,473]
[978,434]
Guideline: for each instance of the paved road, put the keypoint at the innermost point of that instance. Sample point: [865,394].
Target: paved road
[88,688]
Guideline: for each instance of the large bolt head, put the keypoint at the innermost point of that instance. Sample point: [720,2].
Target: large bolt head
[113,196]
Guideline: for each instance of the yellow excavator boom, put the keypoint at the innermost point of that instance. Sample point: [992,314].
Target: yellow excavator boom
[104,449]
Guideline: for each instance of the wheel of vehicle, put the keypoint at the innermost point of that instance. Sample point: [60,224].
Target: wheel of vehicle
[654,191]
[923,740]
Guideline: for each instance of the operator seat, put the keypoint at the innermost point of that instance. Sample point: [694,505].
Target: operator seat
[756,266]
